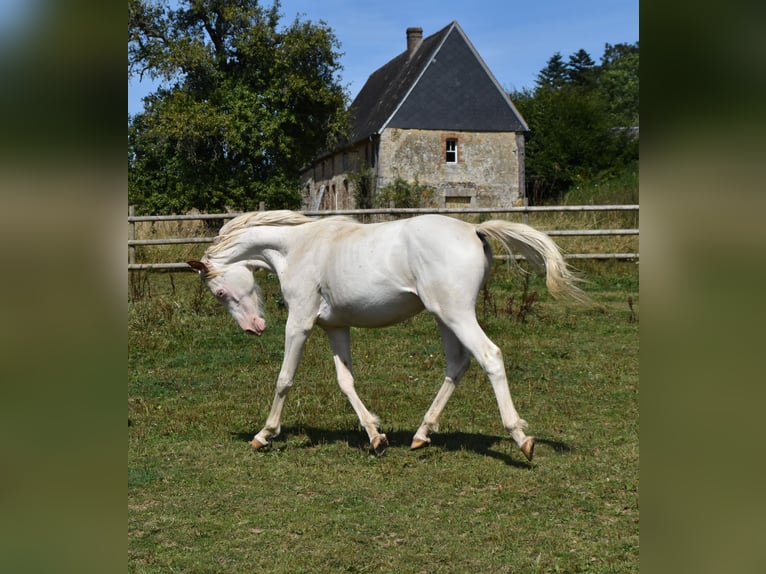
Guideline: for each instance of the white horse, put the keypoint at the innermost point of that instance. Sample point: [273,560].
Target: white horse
[338,273]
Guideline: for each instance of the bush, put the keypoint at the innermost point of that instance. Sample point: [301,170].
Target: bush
[403,194]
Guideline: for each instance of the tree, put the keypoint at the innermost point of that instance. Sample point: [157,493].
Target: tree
[243,104]
[554,75]
[570,141]
[581,69]
[577,114]
[618,83]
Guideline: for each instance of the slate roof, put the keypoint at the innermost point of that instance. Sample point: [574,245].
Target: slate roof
[444,85]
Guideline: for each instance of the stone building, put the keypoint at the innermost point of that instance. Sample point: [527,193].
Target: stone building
[435,114]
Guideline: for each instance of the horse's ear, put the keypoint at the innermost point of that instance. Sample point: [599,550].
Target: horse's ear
[198,266]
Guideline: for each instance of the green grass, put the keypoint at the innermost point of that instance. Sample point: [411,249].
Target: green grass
[199,500]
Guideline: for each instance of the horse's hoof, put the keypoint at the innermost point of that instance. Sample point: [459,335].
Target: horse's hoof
[419,443]
[528,448]
[256,444]
[379,444]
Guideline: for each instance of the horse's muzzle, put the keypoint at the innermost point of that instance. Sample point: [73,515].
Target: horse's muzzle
[255,326]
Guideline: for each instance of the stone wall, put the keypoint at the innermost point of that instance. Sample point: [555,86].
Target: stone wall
[487,171]
[326,185]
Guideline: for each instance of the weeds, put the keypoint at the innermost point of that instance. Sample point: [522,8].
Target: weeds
[489,305]
[199,297]
[138,285]
[633,318]
[513,311]
[526,302]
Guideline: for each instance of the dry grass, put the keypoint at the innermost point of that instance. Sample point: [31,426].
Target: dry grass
[543,221]
[171,229]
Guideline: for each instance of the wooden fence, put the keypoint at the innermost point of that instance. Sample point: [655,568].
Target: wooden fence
[390,212]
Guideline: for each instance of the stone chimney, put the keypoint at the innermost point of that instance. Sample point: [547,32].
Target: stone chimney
[414,39]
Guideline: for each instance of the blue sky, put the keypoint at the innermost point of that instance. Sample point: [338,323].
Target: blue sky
[515,38]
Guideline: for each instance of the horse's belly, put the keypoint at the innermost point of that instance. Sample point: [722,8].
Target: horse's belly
[369,312]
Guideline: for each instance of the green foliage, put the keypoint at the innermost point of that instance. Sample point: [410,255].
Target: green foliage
[404,194]
[622,188]
[578,115]
[555,72]
[618,83]
[581,69]
[244,104]
[363,186]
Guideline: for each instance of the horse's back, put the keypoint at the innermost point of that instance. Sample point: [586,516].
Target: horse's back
[378,274]
[431,241]
[449,244]
[414,240]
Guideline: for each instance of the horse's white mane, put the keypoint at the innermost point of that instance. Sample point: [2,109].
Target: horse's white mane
[280,217]
[231,230]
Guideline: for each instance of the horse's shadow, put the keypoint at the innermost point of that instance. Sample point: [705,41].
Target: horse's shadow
[480,444]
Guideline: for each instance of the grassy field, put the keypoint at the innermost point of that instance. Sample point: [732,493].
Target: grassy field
[199,500]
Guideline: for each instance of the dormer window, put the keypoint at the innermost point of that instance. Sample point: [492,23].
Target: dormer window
[451,150]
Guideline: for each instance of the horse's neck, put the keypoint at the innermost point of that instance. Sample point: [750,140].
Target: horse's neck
[263,247]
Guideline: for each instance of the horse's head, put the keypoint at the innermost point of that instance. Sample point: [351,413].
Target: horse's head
[235,287]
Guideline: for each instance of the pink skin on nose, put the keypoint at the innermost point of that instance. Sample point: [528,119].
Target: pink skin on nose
[257,327]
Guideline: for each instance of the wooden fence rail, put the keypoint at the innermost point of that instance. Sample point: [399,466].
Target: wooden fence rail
[525,210]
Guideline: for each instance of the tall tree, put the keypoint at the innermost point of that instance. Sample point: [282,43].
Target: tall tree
[581,69]
[576,114]
[554,74]
[570,141]
[618,82]
[243,104]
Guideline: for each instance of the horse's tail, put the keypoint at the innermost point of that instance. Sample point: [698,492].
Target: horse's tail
[540,250]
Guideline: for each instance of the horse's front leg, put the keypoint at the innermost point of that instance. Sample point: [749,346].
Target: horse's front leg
[340,342]
[296,334]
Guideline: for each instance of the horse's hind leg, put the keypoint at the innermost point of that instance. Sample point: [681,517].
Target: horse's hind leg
[490,358]
[458,359]
[340,342]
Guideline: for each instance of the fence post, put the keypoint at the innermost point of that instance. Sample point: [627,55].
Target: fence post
[262,206]
[525,215]
[131,235]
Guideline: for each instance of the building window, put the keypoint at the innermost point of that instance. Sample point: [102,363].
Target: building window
[457,201]
[451,150]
